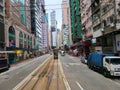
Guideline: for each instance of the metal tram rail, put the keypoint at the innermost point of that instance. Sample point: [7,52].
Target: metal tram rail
[45,77]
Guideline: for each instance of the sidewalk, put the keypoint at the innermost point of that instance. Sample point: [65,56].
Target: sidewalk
[25,60]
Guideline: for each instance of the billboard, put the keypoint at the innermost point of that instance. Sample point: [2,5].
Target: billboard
[11,43]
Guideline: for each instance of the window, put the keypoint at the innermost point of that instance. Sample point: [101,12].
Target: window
[1,1]
[104,23]
[112,19]
[107,60]
[97,27]
[1,9]
[12,1]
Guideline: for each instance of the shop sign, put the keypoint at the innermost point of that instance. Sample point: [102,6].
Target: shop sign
[94,41]
[12,43]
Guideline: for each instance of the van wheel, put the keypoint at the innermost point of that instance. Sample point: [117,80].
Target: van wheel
[105,73]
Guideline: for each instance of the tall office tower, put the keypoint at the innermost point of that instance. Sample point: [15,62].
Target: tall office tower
[58,38]
[75,20]
[45,40]
[65,24]
[37,14]
[54,28]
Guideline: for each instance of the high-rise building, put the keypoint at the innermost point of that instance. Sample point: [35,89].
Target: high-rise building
[75,20]
[65,24]
[50,37]
[106,25]
[37,17]
[18,29]
[69,24]
[45,40]
[58,38]
[54,28]
[86,22]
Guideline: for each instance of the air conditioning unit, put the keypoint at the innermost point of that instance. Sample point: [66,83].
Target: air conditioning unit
[112,24]
[102,30]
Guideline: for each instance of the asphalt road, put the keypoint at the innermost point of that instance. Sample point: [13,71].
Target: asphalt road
[10,78]
[80,77]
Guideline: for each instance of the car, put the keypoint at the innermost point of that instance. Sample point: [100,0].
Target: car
[83,59]
[62,53]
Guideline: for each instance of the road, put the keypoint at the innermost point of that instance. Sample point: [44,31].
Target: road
[10,78]
[80,77]
[77,76]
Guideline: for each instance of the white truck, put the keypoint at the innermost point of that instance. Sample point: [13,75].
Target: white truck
[111,65]
[108,64]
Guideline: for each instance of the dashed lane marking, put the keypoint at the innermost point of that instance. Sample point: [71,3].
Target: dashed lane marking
[81,88]
[72,64]
[114,82]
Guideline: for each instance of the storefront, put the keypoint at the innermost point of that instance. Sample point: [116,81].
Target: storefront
[117,42]
[12,45]
[86,46]
[2,33]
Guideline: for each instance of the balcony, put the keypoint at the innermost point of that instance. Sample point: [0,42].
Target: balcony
[95,6]
[1,11]
[92,1]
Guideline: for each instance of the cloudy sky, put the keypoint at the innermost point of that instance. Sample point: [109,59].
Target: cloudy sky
[54,5]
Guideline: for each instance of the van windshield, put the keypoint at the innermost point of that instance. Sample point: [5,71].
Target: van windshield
[115,60]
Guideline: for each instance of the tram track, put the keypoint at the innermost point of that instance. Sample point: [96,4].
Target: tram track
[39,78]
[46,77]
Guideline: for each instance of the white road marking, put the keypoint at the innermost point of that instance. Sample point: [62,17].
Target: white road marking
[64,78]
[72,64]
[66,65]
[114,82]
[117,83]
[79,85]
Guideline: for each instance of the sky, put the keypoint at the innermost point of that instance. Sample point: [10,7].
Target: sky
[54,5]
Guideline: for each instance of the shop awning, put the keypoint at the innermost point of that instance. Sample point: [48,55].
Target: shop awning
[76,44]
[87,43]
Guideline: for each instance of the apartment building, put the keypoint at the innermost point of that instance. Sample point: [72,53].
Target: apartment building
[37,16]
[86,21]
[75,20]
[106,25]
[53,28]
[65,23]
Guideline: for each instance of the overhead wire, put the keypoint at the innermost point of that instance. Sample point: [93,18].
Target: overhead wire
[40,5]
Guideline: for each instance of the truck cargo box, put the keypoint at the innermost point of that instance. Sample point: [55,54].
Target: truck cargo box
[96,59]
